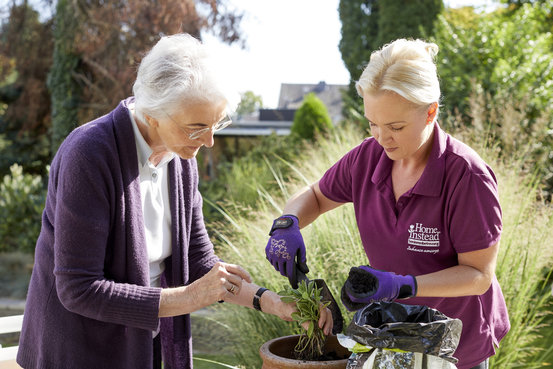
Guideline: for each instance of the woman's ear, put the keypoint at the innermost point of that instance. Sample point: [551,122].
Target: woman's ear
[152,122]
[432,111]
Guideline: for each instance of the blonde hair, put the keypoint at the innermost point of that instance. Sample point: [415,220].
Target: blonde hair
[405,67]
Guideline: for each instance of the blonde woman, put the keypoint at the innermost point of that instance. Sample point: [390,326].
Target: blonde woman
[426,205]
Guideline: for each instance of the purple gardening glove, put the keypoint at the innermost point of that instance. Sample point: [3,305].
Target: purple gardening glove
[285,249]
[366,285]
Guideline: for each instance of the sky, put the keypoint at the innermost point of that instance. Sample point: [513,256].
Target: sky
[290,41]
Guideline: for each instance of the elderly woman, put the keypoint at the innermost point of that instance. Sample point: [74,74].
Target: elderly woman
[426,205]
[123,256]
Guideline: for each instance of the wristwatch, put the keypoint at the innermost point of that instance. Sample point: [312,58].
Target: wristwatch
[257,297]
[282,222]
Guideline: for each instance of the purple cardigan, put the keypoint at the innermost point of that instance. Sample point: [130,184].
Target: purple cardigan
[89,303]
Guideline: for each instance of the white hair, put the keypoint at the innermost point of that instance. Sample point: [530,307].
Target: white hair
[405,67]
[178,70]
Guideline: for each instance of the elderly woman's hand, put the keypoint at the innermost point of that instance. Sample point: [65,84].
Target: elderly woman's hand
[221,282]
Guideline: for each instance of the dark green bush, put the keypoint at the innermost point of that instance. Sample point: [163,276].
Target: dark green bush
[311,118]
[21,203]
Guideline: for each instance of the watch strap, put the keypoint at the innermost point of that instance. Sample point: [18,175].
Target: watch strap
[284,221]
[257,298]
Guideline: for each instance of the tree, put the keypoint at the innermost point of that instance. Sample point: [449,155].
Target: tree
[249,103]
[500,54]
[311,118]
[64,89]
[110,37]
[25,58]
[369,24]
[97,47]
[406,19]
[359,20]
[505,58]
[359,31]
[518,3]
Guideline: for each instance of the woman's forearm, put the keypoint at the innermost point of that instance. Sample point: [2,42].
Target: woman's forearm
[178,301]
[304,205]
[460,280]
[308,203]
[183,300]
[269,301]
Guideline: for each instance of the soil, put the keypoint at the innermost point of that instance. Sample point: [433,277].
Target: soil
[327,356]
[362,282]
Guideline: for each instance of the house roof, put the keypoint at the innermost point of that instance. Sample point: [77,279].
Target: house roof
[292,94]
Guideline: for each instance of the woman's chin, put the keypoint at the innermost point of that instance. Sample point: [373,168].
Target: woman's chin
[187,152]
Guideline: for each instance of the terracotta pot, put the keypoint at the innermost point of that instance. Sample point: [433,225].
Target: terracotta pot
[278,354]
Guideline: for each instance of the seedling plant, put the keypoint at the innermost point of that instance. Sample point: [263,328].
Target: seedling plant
[307,298]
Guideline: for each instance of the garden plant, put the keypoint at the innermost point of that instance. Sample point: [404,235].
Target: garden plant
[307,298]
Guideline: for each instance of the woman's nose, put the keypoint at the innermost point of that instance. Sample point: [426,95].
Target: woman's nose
[207,139]
[383,137]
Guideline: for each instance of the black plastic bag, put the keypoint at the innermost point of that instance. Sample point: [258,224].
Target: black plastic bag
[412,328]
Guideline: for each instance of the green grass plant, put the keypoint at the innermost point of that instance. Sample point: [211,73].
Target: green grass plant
[333,246]
[308,300]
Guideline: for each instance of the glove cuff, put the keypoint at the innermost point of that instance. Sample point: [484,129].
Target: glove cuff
[408,287]
[284,221]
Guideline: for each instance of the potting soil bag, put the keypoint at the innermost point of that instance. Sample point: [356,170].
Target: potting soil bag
[396,336]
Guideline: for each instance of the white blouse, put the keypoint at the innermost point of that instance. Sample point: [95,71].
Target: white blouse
[154,191]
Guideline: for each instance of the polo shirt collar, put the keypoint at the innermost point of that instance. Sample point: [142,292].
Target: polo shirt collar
[431,180]
[383,168]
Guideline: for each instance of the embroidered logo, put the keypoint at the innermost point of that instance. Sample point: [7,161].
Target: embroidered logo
[278,248]
[423,239]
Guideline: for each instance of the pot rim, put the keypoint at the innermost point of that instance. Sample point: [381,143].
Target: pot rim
[264,350]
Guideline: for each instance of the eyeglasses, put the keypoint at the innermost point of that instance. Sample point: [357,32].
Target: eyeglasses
[194,135]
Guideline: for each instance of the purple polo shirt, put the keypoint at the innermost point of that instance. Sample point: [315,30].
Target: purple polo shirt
[453,208]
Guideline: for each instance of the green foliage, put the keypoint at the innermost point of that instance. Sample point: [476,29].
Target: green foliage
[255,166]
[249,103]
[22,199]
[359,20]
[502,55]
[406,19]
[369,24]
[25,58]
[29,149]
[65,91]
[505,60]
[308,300]
[312,118]
[518,3]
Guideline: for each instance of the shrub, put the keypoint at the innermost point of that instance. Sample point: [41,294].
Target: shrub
[242,177]
[22,199]
[312,118]
[503,54]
